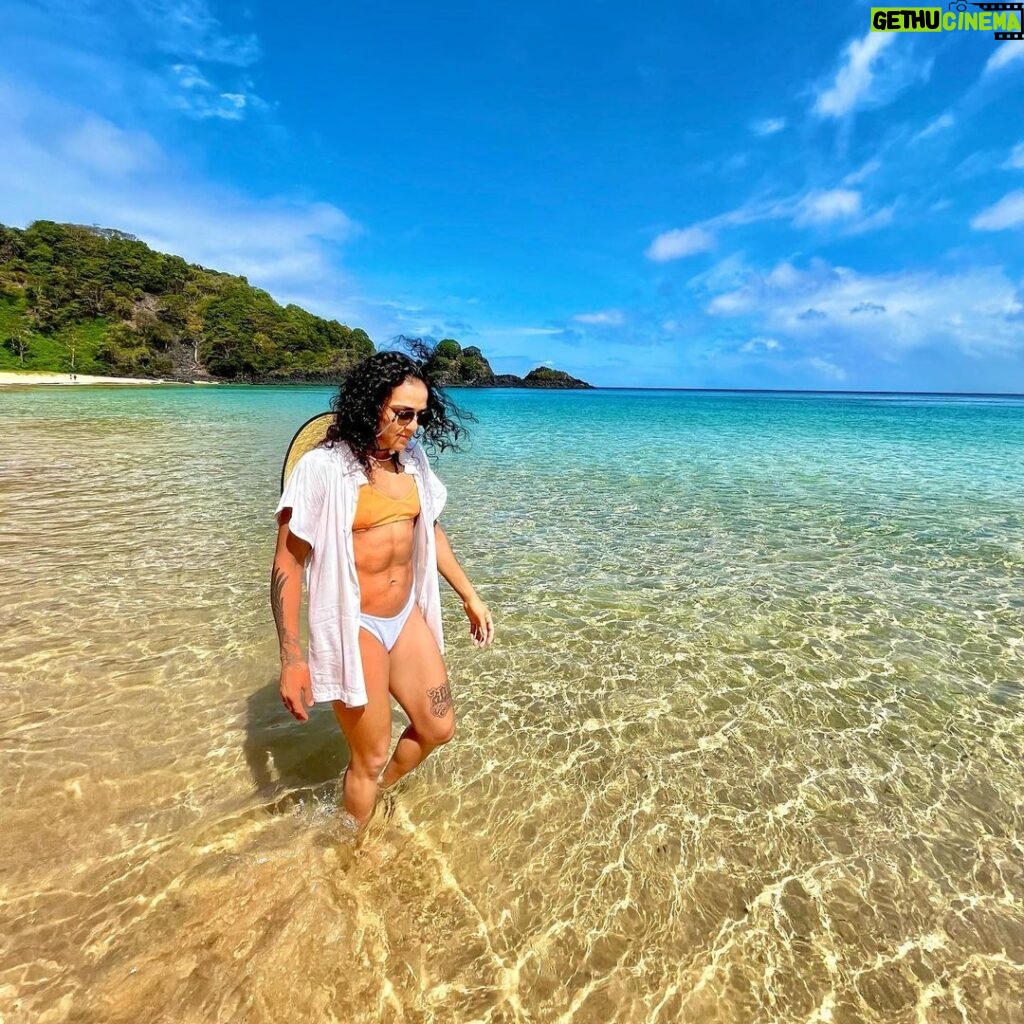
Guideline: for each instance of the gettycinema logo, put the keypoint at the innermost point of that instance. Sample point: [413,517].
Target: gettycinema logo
[1002,19]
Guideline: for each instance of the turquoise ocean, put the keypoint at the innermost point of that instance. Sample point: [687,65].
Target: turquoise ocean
[747,747]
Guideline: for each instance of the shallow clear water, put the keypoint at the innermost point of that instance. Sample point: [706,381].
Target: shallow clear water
[747,747]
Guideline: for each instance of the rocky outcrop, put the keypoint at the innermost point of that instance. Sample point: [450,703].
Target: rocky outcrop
[455,366]
[542,377]
[545,377]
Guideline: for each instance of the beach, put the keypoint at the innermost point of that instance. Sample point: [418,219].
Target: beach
[747,746]
[15,378]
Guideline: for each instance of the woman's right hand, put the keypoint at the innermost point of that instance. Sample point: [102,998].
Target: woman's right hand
[296,689]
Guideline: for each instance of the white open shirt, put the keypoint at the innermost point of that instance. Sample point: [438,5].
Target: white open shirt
[322,493]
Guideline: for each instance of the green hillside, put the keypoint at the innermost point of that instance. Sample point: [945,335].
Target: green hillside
[100,301]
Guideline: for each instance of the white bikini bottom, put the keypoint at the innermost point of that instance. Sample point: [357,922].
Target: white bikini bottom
[387,630]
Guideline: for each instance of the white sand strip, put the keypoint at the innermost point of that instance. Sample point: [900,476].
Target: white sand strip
[15,378]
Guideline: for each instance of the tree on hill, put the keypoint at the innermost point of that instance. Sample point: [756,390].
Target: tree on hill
[18,343]
[152,313]
[453,364]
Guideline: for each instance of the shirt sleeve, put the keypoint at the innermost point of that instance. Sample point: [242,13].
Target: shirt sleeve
[438,491]
[304,494]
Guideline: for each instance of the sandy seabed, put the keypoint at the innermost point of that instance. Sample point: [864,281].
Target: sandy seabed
[746,751]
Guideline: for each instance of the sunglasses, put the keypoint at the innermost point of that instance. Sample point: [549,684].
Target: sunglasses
[406,416]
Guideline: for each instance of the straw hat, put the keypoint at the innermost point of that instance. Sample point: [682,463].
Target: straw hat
[307,437]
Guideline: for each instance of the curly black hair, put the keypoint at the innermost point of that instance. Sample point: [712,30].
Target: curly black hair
[365,388]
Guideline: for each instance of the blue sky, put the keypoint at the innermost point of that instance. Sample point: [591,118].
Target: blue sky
[749,195]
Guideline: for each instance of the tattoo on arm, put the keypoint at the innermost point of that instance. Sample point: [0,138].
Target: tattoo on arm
[277,582]
[440,700]
[290,648]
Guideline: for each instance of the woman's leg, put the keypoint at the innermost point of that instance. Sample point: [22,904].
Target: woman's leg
[367,731]
[419,682]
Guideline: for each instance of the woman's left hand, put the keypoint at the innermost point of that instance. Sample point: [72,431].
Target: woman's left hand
[481,625]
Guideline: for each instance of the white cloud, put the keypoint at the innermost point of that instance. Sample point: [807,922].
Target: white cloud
[276,240]
[196,96]
[816,209]
[151,55]
[819,208]
[826,368]
[761,344]
[879,219]
[1015,161]
[862,173]
[734,303]
[608,317]
[188,28]
[204,107]
[725,275]
[1010,52]
[769,126]
[872,71]
[525,331]
[671,245]
[190,77]
[940,124]
[977,310]
[853,81]
[97,145]
[784,275]
[752,212]
[983,161]
[1007,213]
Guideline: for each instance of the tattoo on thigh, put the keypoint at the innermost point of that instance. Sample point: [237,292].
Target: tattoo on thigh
[440,700]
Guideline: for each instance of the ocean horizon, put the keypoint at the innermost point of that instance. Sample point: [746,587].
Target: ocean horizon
[597,387]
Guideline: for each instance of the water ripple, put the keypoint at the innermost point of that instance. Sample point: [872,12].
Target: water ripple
[748,746]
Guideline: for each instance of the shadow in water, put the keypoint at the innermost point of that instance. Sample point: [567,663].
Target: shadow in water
[289,759]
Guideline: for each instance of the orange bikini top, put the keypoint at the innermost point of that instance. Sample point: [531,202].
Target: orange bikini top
[375,508]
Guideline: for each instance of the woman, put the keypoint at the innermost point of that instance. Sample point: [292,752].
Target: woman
[362,507]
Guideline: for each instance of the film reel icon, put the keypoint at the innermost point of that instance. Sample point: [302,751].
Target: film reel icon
[960,5]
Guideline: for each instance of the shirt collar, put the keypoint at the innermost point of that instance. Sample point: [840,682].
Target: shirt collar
[407,458]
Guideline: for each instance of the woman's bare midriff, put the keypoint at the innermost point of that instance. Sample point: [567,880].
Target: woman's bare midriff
[383,557]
